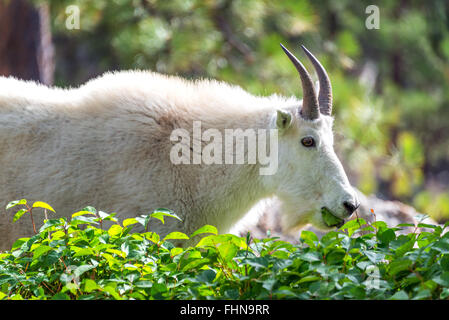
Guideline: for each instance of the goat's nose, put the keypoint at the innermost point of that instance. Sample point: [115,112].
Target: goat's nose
[350,207]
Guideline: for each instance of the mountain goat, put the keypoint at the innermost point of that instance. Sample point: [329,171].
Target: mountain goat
[115,143]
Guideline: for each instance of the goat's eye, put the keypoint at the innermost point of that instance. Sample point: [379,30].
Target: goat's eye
[308,142]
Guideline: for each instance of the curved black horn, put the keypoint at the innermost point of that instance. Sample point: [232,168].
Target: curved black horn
[325,95]
[310,109]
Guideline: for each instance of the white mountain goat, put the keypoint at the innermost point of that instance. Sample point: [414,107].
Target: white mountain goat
[111,144]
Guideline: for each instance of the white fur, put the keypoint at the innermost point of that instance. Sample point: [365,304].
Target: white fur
[107,144]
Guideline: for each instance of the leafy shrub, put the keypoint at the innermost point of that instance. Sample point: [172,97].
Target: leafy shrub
[77,259]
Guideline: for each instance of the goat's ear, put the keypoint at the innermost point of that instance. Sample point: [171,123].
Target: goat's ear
[283,120]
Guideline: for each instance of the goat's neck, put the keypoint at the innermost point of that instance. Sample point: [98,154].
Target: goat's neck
[232,189]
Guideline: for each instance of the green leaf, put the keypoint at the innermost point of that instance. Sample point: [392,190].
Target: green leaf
[309,279]
[386,236]
[60,296]
[116,252]
[152,236]
[406,247]
[143,284]
[19,214]
[58,235]
[81,213]
[143,220]
[232,294]
[82,269]
[175,251]
[442,245]
[311,256]
[161,213]
[176,236]
[358,293]
[379,224]
[40,204]
[158,288]
[425,238]
[214,240]
[40,251]
[130,221]
[268,284]
[329,219]
[195,264]
[446,224]
[89,285]
[309,238]
[206,276]
[397,266]
[111,289]
[444,294]
[227,251]
[15,203]
[373,256]
[257,262]
[81,219]
[84,252]
[401,295]
[51,223]
[205,229]
[422,294]
[115,230]
[442,279]
[90,209]
[18,243]
[444,262]
[333,238]
[353,225]
[107,216]
[335,256]
[426,225]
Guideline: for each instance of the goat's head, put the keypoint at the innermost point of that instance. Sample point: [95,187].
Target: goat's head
[310,179]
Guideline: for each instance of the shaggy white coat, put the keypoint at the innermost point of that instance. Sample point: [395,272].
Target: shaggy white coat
[107,144]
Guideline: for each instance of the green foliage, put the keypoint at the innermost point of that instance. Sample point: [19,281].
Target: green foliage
[78,260]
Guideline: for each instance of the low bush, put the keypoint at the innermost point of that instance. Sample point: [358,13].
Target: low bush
[77,259]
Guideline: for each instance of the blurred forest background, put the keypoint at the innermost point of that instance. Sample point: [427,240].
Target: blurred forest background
[391,84]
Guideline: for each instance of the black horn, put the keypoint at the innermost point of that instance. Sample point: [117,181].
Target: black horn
[325,95]
[310,109]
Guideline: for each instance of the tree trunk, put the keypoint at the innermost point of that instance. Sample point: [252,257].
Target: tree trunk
[26,50]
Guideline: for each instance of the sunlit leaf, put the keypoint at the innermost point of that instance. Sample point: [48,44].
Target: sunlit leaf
[205,229]
[176,236]
[40,204]
[15,203]
[19,214]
